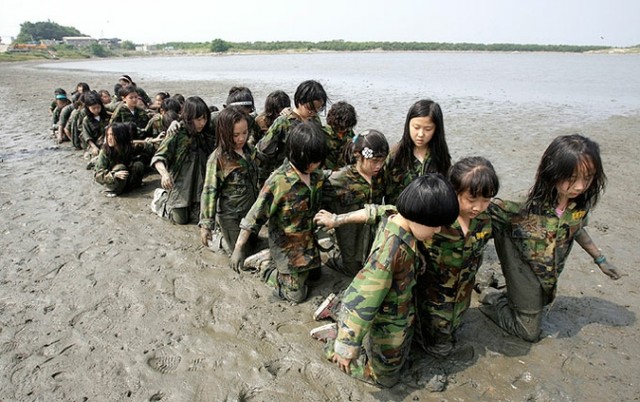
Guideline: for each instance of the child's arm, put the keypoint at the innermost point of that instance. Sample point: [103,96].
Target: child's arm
[239,253]
[585,241]
[370,214]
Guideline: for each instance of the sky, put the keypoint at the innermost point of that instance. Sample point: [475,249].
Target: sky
[567,22]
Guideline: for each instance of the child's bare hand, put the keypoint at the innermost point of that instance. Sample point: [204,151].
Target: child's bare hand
[237,259]
[325,218]
[343,364]
[610,270]
[166,182]
[121,174]
[205,236]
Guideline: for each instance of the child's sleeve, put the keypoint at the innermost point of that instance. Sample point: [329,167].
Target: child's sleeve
[209,197]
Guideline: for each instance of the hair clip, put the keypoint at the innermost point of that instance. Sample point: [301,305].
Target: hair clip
[367,153]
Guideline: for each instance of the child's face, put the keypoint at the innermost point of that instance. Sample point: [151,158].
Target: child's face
[240,134]
[95,109]
[422,232]
[111,140]
[199,123]
[578,183]
[106,98]
[421,130]
[471,206]
[371,166]
[131,100]
[309,110]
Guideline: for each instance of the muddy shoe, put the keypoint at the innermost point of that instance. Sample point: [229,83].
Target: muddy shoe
[325,310]
[325,332]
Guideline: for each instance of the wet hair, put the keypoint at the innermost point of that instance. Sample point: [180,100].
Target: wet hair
[194,107]
[125,91]
[225,124]
[170,104]
[273,105]
[84,86]
[306,144]
[241,96]
[104,92]
[123,134]
[308,92]
[438,149]
[429,200]
[476,175]
[92,98]
[213,108]
[342,116]
[563,157]
[169,117]
[179,98]
[373,140]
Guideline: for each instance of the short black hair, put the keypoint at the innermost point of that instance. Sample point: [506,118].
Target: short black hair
[476,175]
[308,92]
[429,200]
[306,144]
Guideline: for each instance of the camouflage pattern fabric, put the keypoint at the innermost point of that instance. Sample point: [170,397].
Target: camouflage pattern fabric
[397,177]
[93,130]
[74,126]
[379,304]
[122,114]
[335,148]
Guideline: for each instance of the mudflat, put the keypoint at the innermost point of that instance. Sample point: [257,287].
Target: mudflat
[102,300]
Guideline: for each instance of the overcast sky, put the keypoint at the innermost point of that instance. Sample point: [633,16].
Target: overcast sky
[571,22]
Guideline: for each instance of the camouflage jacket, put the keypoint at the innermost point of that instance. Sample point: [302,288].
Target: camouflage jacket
[544,241]
[74,126]
[154,126]
[350,192]
[335,148]
[93,130]
[288,205]
[397,178]
[453,260]
[65,114]
[379,302]
[139,117]
[104,164]
[230,186]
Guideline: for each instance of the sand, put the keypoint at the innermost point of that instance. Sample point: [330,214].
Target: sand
[101,300]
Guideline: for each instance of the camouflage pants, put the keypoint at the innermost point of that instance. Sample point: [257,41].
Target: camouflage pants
[136,172]
[291,287]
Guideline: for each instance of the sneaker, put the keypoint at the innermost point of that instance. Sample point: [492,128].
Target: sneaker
[325,332]
[324,311]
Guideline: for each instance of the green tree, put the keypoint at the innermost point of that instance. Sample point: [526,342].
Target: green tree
[98,50]
[127,45]
[34,32]
[219,46]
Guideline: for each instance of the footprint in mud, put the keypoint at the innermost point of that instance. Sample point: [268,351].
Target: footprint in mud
[8,346]
[198,364]
[165,361]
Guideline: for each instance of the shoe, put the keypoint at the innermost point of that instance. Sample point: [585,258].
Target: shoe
[324,311]
[325,332]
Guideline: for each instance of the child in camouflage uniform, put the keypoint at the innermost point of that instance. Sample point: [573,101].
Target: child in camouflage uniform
[533,240]
[275,102]
[454,256]
[129,111]
[341,120]
[94,123]
[375,325]
[422,148]
[231,182]
[288,201]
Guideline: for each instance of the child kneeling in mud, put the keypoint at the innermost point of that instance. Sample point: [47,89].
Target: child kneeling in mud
[375,325]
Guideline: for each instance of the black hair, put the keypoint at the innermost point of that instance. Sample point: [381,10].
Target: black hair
[169,117]
[241,96]
[194,107]
[273,105]
[163,94]
[126,90]
[476,175]
[92,98]
[566,155]
[225,124]
[342,116]
[373,140]
[438,149]
[123,135]
[59,91]
[429,200]
[84,86]
[306,144]
[179,98]
[171,104]
[308,92]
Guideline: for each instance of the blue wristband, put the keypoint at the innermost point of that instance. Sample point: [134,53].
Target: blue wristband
[600,259]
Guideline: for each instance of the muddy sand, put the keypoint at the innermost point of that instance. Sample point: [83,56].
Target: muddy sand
[101,300]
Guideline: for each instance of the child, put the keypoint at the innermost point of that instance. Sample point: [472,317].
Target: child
[274,104]
[231,182]
[116,167]
[61,103]
[288,201]
[341,120]
[128,110]
[533,241]
[352,187]
[421,149]
[157,126]
[181,161]
[94,123]
[126,81]
[105,96]
[309,99]
[374,330]
[73,128]
[454,256]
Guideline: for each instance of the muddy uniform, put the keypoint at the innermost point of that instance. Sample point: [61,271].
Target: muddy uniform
[288,205]
[230,189]
[93,130]
[335,148]
[65,114]
[350,192]
[532,249]
[271,148]
[377,314]
[185,156]
[397,177]
[74,126]
[154,126]
[122,114]
[444,290]
[261,122]
[106,167]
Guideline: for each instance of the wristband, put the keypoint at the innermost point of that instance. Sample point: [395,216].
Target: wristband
[600,259]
